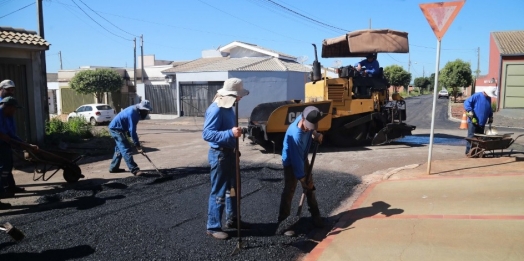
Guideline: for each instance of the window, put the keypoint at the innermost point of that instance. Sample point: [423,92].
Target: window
[80,109]
[104,108]
[88,108]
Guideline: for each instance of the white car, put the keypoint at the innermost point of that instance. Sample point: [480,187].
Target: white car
[443,93]
[94,113]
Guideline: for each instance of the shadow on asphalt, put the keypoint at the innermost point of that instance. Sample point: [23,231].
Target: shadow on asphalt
[343,221]
[54,254]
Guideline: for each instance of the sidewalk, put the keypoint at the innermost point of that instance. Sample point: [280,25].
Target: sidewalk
[468,209]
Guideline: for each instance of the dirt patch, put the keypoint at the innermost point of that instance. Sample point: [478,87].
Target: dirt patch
[457,110]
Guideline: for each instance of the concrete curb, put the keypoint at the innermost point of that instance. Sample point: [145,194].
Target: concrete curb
[396,170]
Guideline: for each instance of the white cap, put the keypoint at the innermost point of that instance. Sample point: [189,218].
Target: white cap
[491,92]
[7,84]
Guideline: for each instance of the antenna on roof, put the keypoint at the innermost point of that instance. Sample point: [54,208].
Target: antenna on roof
[302,59]
[219,47]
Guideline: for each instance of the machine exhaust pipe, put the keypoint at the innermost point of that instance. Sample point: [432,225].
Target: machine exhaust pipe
[316,75]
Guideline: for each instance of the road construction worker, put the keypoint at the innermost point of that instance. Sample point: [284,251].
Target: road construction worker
[371,64]
[124,122]
[7,89]
[479,111]
[297,141]
[220,131]
[8,138]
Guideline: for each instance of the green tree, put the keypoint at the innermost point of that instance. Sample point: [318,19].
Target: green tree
[422,82]
[96,82]
[397,76]
[456,74]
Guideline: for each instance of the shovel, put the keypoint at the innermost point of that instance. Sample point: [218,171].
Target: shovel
[238,192]
[12,231]
[309,174]
[147,157]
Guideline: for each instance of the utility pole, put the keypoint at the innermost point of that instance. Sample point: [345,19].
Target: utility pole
[369,23]
[423,71]
[60,58]
[43,81]
[142,56]
[134,58]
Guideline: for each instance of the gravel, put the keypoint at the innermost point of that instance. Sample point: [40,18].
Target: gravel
[163,218]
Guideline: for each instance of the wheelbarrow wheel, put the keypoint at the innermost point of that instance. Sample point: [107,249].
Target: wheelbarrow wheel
[476,152]
[72,174]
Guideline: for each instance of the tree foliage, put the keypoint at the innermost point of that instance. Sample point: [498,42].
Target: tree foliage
[96,82]
[397,76]
[422,82]
[456,74]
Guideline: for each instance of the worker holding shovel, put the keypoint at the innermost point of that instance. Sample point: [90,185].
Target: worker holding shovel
[221,132]
[126,121]
[297,141]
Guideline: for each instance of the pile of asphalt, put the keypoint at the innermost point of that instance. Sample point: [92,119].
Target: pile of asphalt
[164,218]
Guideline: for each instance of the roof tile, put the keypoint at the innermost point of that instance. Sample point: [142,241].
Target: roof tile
[510,42]
[21,36]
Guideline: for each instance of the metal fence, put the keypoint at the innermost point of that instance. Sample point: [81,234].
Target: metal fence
[195,98]
[162,98]
[120,100]
[71,99]
[18,74]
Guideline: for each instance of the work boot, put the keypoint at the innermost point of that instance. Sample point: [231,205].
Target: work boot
[232,224]
[118,170]
[221,235]
[317,221]
[4,206]
[139,173]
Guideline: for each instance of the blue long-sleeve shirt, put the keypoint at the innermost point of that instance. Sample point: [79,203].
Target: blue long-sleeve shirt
[481,107]
[296,148]
[127,120]
[371,67]
[8,126]
[217,127]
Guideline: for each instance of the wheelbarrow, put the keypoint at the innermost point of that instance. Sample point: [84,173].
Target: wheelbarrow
[57,159]
[481,143]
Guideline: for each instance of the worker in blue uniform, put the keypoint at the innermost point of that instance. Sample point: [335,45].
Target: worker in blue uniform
[479,112]
[125,122]
[8,138]
[297,141]
[370,63]
[221,132]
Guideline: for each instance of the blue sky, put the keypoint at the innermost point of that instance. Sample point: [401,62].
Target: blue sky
[180,30]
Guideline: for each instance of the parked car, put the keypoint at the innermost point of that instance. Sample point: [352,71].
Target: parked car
[443,93]
[94,113]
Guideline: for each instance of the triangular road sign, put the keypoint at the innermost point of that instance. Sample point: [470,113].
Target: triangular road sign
[441,15]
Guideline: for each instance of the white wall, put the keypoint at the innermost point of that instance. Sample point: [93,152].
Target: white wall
[296,85]
[263,87]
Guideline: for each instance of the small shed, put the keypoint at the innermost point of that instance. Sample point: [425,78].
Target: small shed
[20,61]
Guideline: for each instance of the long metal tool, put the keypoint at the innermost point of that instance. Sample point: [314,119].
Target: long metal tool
[238,189]
[147,157]
[308,177]
[12,231]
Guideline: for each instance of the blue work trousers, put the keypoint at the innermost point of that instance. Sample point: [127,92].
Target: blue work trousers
[122,149]
[223,179]
[472,130]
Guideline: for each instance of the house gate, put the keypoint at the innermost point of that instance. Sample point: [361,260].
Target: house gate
[195,98]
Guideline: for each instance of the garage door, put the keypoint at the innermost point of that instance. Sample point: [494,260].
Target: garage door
[514,94]
[195,98]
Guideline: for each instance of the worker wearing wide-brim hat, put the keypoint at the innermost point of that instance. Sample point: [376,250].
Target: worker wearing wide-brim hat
[8,138]
[220,131]
[479,111]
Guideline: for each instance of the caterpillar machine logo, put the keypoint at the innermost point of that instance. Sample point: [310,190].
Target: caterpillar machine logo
[357,108]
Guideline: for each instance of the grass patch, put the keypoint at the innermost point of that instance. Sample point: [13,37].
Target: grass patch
[74,130]
[494,106]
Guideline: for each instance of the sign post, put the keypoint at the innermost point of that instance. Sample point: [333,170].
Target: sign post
[440,16]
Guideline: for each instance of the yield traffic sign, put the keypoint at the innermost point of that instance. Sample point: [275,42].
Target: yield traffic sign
[441,15]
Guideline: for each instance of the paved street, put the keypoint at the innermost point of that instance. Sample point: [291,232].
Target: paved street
[118,217]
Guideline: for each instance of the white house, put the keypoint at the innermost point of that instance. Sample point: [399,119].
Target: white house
[269,76]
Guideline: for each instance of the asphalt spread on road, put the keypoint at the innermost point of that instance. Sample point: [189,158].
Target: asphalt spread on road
[164,218]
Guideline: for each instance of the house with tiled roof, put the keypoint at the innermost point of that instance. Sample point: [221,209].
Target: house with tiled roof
[506,70]
[269,75]
[20,62]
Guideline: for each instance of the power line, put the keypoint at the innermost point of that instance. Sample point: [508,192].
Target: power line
[394,58]
[248,21]
[21,8]
[450,49]
[107,20]
[98,22]
[306,17]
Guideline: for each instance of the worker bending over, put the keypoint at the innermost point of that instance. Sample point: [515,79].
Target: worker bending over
[220,131]
[297,142]
[126,121]
[479,111]
[8,138]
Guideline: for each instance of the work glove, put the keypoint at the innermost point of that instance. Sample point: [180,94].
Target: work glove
[318,137]
[306,184]
[490,120]
[139,149]
[470,114]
